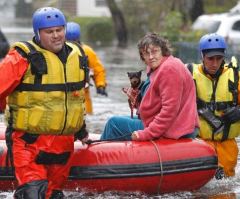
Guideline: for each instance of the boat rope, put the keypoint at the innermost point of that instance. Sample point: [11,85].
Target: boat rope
[89,141]
[160,164]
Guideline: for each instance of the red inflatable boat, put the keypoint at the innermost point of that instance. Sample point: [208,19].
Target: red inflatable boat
[152,167]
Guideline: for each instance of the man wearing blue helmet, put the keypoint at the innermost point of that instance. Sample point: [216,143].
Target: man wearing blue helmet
[218,98]
[44,81]
[73,33]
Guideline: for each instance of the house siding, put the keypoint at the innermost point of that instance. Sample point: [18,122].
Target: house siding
[91,9]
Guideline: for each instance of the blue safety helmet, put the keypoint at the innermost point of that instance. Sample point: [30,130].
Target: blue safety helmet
[212,44]
[73,32]
[47,17]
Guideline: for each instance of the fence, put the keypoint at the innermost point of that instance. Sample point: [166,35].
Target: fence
[188,52]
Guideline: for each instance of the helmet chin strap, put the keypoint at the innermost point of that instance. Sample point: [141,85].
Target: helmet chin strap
[218,72]
[37,41]
[38,36]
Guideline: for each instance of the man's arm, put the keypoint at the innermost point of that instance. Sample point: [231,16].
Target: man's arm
[232,114]
[96,66]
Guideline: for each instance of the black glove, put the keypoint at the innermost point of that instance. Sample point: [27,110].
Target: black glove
[101,90]
[214,121]
[219,173]
[82,133]
[231,115]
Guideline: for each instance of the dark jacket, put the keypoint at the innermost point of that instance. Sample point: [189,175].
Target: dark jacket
[4,45]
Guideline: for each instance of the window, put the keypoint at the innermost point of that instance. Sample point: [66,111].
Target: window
[100,3]
[236,26]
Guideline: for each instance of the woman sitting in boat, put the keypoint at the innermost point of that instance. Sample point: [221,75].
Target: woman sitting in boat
[168,106]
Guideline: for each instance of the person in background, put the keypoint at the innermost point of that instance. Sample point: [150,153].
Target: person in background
[218,97]
[96,68]
[4,48]
[4,45]
[44,82]
[167,96]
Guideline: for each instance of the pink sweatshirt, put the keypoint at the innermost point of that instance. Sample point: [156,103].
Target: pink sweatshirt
[168,109]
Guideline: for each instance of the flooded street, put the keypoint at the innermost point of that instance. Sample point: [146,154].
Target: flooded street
[118,62]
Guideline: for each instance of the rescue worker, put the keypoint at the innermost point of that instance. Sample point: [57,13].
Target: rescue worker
[96,67]
[44,81]
[218,98]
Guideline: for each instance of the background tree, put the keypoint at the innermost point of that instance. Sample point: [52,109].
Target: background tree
[173,17]
[132,19]
[197,9]
[119,23]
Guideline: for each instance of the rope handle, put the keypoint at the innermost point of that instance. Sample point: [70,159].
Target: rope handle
[89,141]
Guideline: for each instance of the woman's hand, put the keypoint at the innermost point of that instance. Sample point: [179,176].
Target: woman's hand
[135,136]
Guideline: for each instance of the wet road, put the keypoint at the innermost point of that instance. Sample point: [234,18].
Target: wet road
[117,63]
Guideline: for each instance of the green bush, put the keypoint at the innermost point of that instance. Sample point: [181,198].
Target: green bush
[172,26]
[174,32]
[192,35]
[100,33]
[95,30]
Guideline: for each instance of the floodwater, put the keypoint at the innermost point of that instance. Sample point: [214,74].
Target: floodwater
[117,63]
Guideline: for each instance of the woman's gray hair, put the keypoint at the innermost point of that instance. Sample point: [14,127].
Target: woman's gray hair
[156,40]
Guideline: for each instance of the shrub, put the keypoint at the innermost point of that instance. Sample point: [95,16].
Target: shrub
[100,33]
[95,30]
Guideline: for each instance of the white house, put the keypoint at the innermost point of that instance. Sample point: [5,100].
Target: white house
[92,8]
